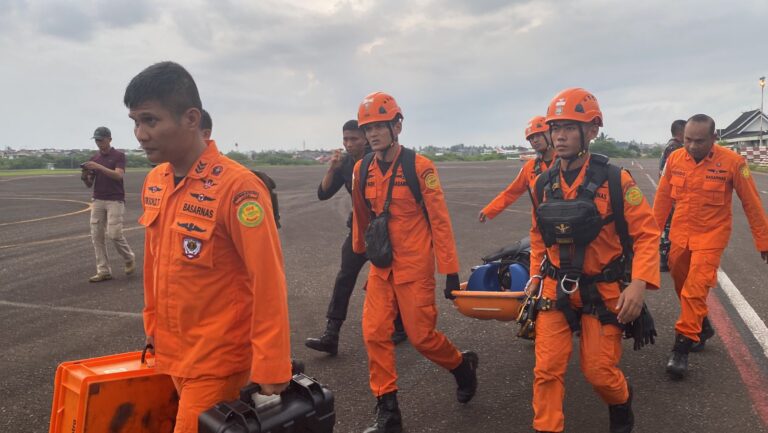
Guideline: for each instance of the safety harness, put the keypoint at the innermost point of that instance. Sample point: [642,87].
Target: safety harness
[408,164]
[572,225]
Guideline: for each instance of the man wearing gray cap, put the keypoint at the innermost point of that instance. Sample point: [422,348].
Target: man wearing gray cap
[104,172]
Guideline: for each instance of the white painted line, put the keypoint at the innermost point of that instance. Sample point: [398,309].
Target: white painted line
[638,164]
[747,313]
[71,309]
[655,185]
[764,192]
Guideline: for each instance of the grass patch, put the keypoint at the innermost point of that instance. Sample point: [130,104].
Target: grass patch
[760,168]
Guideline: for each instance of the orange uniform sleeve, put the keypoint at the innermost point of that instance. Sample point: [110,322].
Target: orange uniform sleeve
[538,249]
[662,201]
[439,219]
[361,215]
[149,279]
[513,191]
[257,243]
[746,189]
[644,231]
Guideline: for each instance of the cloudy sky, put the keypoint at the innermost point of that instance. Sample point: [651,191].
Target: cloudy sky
[277,74]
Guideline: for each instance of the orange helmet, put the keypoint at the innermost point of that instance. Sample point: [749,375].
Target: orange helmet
[378,107]
[536,125]
[575,104]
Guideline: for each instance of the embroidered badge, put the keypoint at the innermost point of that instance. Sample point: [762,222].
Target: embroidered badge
[208,183]
[217,170]
[634,196]
[242,195]
[200,167]
[191,227]
[745,171]
[250,214]
[202,197]
[192,247]
[154,188]
[432,181]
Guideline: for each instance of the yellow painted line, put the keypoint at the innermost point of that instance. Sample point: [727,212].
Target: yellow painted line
[50,241]
[87,208]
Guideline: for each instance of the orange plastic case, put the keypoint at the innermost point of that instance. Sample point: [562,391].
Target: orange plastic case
[503,306]
[115,394]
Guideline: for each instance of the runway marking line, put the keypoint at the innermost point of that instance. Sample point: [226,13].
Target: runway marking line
[750,372]
[71,309]
[87,208]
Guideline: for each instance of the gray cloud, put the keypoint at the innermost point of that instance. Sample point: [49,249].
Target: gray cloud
[277,73]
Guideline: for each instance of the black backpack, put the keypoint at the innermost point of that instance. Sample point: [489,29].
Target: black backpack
[271,186]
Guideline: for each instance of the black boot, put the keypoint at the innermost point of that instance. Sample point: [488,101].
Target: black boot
[466,376]
[329,341]
[388,419]
[621,416]
[399,335]
[677,365]
[707,332]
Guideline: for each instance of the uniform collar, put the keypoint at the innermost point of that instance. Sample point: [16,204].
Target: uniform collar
[709,157]
[203,165]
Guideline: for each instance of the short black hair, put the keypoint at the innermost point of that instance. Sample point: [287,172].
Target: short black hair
[678,126]
[350,125]
[167,83]
[205,121]
[703,118]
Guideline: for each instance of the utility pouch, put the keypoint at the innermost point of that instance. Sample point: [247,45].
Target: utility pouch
[377,244]
[568,221]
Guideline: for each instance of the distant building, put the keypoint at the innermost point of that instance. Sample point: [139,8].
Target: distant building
[743,135]
[745,130]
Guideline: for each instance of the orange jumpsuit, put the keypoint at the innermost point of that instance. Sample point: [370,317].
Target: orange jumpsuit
[214,287]
[701,224]
[523,182]
[409,284]
[600,345]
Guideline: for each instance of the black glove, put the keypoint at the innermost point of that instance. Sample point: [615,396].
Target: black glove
[451,284]
[642,329]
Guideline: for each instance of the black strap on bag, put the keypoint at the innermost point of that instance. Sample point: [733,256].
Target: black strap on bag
[377,244]
[408,157]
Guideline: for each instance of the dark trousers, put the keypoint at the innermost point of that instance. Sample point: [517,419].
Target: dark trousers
[351,264]
[664,243]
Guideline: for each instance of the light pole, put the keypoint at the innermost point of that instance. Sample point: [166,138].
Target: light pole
[762,94]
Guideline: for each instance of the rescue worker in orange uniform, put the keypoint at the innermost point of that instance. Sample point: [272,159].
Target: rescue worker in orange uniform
[699,180]
[408,283]
[215,297]
[537,133]
[581,276]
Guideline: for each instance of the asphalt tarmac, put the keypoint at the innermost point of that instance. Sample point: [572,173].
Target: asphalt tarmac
[49,313]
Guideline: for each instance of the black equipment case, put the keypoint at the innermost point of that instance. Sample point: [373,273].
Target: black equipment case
[304,407]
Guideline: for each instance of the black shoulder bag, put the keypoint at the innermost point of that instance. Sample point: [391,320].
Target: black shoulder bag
[377,244]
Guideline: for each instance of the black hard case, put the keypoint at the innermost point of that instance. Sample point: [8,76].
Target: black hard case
[305,406]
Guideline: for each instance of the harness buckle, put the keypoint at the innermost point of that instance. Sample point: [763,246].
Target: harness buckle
[574,281]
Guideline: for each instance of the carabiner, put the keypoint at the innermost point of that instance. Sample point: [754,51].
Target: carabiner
[528,284]
[575,283]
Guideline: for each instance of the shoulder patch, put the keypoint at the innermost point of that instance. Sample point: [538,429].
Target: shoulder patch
[244,195]
[633,195]
[745,171]
[250,213]
[430,179]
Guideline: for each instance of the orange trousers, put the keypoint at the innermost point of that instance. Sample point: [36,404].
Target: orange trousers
[600,349]
[416,302]
[693,272]
[200,394]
